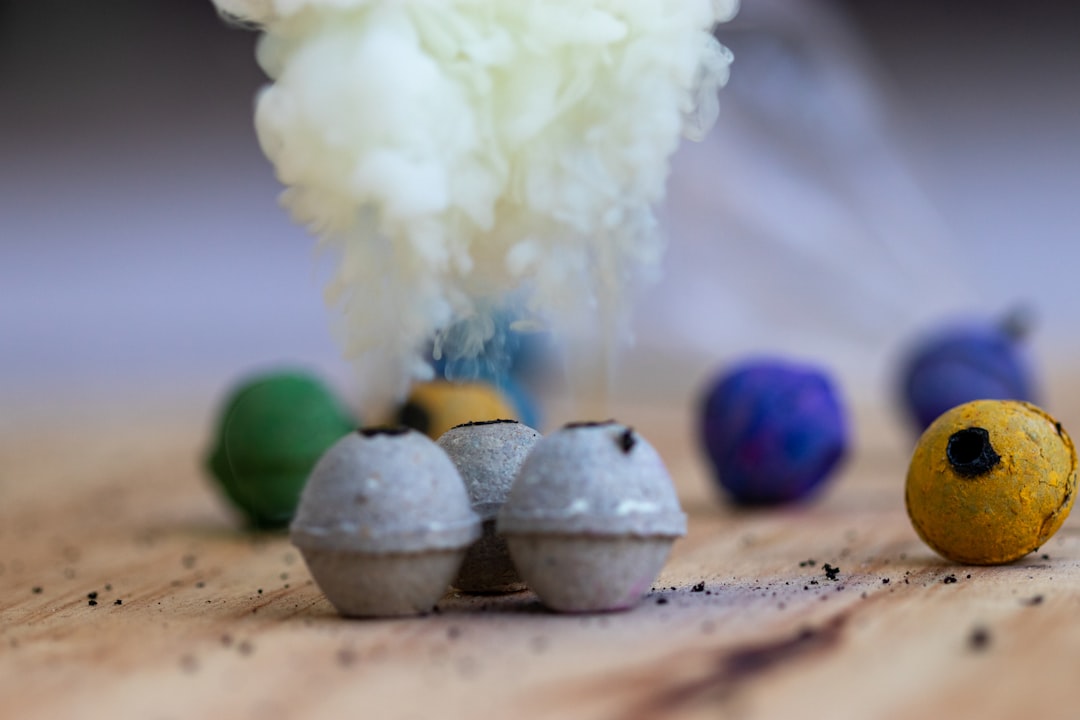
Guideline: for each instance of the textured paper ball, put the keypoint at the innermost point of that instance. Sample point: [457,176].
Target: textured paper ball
[434,407]
[384,523]
[591,518]
[991,481]
[270,434]
[488,455]
[955,364]
[773,430]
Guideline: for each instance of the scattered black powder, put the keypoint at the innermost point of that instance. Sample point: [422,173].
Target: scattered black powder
[884,581]
[813,582]
[37,590]
[118,601]
[92,603]
[627,440]
[808,563]
[949,579]
[1036,600]
[260,591]
[700,587]
[92,595]
[661,601]
[108,588]
[831,572]
[1057,426]
[1045,556]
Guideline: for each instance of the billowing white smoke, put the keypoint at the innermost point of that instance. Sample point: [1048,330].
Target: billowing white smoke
[457,153]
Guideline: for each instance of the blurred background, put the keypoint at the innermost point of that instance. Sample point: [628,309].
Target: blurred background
[876,166]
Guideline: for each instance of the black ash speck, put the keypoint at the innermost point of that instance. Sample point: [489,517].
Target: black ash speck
[37,590]
[832,573]
[884,581]
[949,579]
[92,595]
[661,601]
[627,440]
[118,601]
[700,587]
[979,639]
[1032,601]
[92,603]
[808,563]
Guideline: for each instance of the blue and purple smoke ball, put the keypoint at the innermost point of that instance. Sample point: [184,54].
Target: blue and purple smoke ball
[774,431]
[965,361]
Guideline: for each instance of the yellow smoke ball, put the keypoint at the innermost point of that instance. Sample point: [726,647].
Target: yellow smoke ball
[991,481]
[435,407]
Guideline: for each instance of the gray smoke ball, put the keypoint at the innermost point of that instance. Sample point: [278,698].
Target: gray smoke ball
[384,523]
[488,455]
[591,518]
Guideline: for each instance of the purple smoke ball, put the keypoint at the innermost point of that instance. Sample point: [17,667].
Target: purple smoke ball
[774,430]
[961,362]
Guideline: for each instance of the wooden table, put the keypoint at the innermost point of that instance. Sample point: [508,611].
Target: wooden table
[195,618]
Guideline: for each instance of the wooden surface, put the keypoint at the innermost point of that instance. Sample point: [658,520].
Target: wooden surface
[213,622]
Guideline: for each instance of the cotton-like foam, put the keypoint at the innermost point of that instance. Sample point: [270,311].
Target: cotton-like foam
[456,153]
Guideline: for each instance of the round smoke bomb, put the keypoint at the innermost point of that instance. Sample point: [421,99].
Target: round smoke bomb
[270,433]
[488,455]
[434,407]
[384,523]
[991,481]
[979,359]
[591,518]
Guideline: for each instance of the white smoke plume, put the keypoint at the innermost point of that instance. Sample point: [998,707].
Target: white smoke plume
[456,153]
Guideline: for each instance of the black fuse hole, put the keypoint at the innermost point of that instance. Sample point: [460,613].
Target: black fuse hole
[970,453]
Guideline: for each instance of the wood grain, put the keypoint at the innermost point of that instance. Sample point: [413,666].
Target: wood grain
[195,618]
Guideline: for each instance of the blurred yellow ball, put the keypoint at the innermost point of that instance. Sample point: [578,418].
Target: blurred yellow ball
[991,481]
[435,407]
